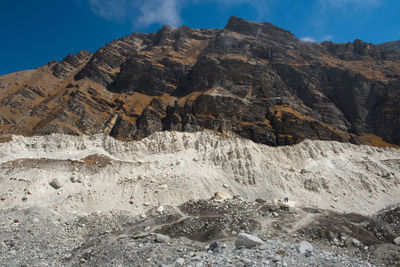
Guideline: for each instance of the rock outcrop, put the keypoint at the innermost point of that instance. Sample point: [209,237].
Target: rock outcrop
[253,79]
[247,241]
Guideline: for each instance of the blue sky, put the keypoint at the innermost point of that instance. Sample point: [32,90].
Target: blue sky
[34,32]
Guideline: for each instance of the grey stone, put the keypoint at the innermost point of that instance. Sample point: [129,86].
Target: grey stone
[305,248]
[55,184]
[179,262]
[213,246]
[276,259]
[350,242]
[221,195]
[336,242]
[248,241]
[160,238]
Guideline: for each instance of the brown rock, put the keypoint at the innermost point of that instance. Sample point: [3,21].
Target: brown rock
[281,252]
[254,79]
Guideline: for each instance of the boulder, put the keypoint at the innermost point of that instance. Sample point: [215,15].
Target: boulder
[396,241]
[336,242]
[55,184]
[352,242]
[221,195]
[304,248]
[179,262]
[247,241]
[160,209]
[356,242]
[160,238]
[213,246]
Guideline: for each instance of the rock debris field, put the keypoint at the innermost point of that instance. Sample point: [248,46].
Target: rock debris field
[196,199]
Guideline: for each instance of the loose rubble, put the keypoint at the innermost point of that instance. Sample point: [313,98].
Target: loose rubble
[176,200]
[196,233]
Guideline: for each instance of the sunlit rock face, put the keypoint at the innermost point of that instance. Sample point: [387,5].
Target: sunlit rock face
[253,79]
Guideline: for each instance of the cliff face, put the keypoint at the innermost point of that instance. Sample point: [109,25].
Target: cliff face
[254,79]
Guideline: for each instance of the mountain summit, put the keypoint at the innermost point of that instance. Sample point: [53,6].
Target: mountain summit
[253,79]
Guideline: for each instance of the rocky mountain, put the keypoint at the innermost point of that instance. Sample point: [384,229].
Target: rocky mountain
[391,46]
[253,79]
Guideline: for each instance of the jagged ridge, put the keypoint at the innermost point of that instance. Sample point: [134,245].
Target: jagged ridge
[254,79]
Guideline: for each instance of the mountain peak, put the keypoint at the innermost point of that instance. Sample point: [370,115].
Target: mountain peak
[245,27]
[250,78]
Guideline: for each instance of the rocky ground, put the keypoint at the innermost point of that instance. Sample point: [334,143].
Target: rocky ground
[200,233]
[192,100]
[183,199]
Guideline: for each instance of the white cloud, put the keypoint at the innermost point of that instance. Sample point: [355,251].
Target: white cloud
[109,9]
[143,13]
[308,39]
[327,37]
[146,12]
[160,11]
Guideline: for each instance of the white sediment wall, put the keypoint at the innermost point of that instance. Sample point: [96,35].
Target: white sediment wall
[169,168]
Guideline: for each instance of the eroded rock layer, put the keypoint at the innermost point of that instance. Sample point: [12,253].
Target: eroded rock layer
[254,79]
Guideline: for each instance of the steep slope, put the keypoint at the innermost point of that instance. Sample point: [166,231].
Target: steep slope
[254,79]
[99,173]
[391,46]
